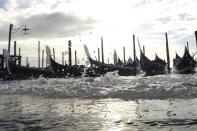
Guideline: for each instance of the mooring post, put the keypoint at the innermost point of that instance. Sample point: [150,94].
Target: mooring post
[102,50]
[27,62]
[42,58]
[62,58]
[196,38]
[69,53]
[75,57]
[167,52]
[115,57]
[19,54]
[15,48]
[47,61]
[9,37]
[98,55]
[38,54]
[124,54]
[134,54]
[143,49]
[15,52]
[54,54]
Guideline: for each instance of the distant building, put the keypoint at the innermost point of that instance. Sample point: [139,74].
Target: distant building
[115,58]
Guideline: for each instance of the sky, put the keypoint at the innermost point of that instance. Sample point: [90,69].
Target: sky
[54,22]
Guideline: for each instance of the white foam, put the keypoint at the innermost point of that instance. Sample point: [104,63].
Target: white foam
[109,85]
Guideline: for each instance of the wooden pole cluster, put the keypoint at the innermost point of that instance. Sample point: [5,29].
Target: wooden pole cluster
[69,53]
[102,50]
[167,52]
[134,55]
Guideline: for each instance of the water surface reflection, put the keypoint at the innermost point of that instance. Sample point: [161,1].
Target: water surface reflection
[38,113]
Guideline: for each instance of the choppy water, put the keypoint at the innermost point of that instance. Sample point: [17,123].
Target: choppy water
[110,102]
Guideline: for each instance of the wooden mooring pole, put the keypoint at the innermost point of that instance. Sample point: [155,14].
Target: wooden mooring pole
[15,52]
[42,58]
[167,53]
[134,55]
[27,62]
[98,55]
[102,52]
[47,61]
[69,53]
[75,57]
[9,37]
[19,54]
[14,48]
[38,54]
[63,58]
[196,38]
[124,55]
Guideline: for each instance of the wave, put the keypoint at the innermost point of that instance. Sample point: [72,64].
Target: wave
[110,85]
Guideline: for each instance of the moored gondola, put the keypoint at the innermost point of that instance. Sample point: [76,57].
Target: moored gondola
[98,68]
[19,72]
[186,64]
[60,70]
[152,67]
[159,60]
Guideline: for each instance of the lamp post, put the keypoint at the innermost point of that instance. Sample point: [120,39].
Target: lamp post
[12,30]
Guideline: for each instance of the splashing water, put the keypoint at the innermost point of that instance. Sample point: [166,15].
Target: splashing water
[108,86]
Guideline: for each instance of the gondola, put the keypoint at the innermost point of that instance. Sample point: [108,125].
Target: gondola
[60,70]
[24,72]
[186,64]
[98,68]
[176,60]
[159,60]
[19,72]
[152,67]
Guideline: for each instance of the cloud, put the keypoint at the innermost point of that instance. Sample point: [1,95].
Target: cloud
[54,25]
[2,4]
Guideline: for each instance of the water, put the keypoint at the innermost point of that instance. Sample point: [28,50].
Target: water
[110,102]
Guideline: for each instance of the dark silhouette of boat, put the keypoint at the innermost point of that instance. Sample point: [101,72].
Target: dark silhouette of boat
[157,66]
[24,72]
[159,60]
[60,70]
[186,64]
[19,72]
[176,60]
[98,68]
[66,70]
